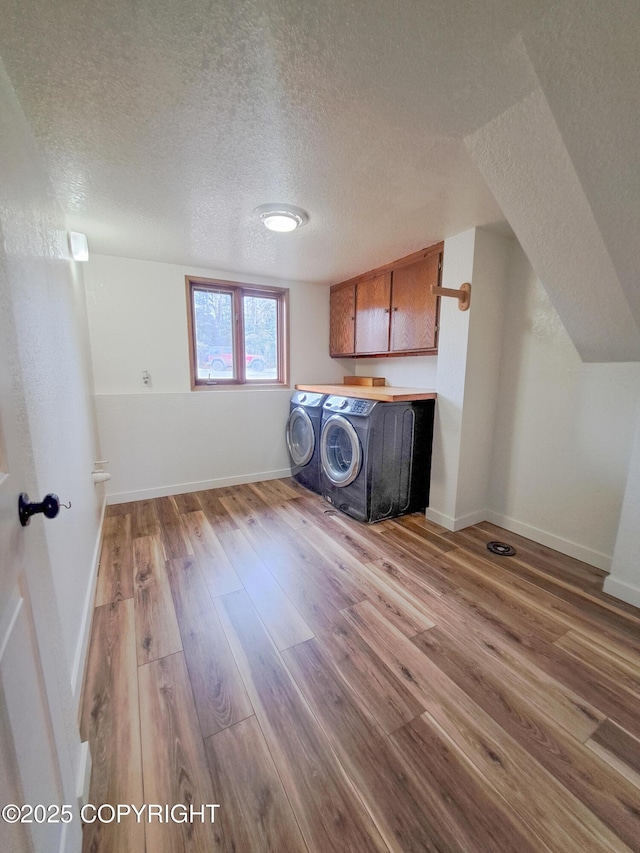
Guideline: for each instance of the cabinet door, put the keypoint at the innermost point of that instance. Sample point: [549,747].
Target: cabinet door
[342,305]
[414,307]
[373,301]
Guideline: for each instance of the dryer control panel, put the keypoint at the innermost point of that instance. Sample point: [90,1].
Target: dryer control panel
[308,399]
[349,405]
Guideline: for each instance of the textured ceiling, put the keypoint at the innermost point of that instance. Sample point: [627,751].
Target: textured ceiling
[391,122]
[164,124]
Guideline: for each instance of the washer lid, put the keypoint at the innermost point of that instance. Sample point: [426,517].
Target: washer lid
[340,451]
[301,439]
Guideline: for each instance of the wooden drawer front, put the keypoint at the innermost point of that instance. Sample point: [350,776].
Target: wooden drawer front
[373,300]
[413,306]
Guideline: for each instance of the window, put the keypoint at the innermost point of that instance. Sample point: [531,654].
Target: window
[237,334]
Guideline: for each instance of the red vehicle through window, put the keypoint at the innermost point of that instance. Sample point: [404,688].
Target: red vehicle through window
[220,358]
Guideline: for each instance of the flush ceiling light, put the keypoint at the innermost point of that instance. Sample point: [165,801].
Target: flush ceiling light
[281,217]
[78,246]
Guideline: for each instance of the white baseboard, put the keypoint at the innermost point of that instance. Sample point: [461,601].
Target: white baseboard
[77,671]
[440,518]
[462,521]
[628,592]
[564,546]
[455,524]
[200,486]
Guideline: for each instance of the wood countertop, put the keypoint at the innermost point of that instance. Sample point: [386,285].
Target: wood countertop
[384,393]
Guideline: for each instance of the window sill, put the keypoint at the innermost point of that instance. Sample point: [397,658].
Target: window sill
[245,386]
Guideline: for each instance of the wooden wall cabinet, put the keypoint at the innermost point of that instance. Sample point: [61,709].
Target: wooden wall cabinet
[388,311]
[373,300]
[342,321]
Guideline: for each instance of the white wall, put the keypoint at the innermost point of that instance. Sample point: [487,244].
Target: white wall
[469,354]
[420,371]
[563,433]
[450,381]
[624,580]
[527,435]
[484,352]
[167,439]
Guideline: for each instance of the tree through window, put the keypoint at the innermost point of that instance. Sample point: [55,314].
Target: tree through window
[237,333]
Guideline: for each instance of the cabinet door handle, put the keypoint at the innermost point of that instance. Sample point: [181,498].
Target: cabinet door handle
[395,308]
[386,310]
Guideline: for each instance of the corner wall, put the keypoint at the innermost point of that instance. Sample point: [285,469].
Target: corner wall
[167,439]
[563,430]
[624,580]
[450,380]
[468,359]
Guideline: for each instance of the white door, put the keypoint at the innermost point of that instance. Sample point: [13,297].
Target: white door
[36,768]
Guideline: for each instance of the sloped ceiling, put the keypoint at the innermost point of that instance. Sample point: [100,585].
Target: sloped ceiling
[165,124]
[563,164]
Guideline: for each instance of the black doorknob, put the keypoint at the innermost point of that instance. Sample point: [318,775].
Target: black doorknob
[50,506]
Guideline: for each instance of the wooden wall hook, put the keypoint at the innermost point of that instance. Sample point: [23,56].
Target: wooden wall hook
[463,295]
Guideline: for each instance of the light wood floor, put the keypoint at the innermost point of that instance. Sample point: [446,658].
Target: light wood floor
[342,687]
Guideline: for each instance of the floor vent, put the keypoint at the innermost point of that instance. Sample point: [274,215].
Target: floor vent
[501,548]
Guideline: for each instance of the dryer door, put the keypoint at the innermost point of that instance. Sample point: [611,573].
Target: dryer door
[340,451]
[300,437]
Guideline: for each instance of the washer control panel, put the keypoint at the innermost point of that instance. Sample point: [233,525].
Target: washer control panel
[349,405]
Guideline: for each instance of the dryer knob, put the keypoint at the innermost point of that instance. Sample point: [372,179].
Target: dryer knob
[344,404]
[302,398]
